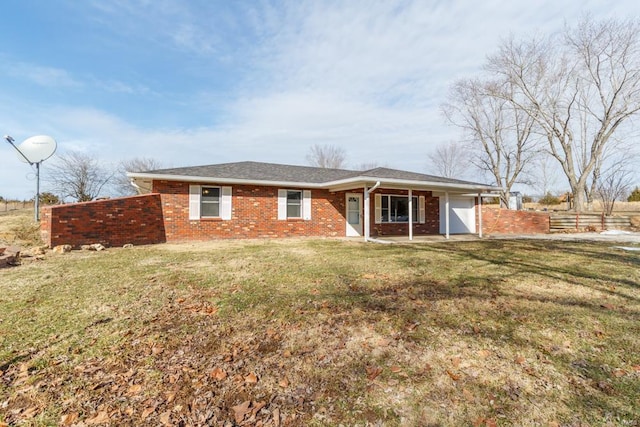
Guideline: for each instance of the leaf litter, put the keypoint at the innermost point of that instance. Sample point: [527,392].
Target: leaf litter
[196,356]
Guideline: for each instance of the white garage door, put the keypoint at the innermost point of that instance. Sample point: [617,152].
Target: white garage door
[462,215]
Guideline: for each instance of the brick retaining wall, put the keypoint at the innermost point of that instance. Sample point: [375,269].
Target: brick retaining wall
[505,221]
[137,220]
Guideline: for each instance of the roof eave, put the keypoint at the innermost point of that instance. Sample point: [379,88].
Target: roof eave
[337,185]
[403,183]
[217,180]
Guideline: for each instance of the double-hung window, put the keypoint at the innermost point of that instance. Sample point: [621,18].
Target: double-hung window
[294,204]
[210,202]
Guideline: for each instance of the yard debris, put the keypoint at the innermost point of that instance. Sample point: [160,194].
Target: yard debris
[62,249]
[93,247]
[127,246]
[36,251]
[9,256]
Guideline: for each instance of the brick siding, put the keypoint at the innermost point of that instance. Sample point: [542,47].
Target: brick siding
[254,214]
[505,221]
[164,216]
[432,216]
[114,222]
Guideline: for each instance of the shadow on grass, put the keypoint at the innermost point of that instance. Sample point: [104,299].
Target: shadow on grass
[501,254]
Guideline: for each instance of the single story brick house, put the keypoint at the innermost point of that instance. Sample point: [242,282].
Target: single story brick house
[252,200]
[256,200]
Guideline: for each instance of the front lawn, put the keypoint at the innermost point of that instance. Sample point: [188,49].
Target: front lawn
[323,332]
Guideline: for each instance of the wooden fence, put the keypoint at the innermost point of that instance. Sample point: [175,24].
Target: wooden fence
[582,221]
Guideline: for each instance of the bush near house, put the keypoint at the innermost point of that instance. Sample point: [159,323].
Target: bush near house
[549,199]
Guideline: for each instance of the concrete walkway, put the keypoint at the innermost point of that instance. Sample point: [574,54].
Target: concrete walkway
[617,237]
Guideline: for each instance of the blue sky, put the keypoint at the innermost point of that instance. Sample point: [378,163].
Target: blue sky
[204,81]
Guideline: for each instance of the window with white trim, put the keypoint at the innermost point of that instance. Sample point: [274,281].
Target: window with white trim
[210,202]
[396,208]
[294,204]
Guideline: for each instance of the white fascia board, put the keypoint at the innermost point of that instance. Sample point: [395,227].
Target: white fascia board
[404,184]
[343,184]
[209,179]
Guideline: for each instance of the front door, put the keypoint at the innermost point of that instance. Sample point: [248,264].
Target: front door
[354,214]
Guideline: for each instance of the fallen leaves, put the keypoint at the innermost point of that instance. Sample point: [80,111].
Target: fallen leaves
[147,411]
[251,378]
[218,374]
[373,372]
[454,376]
[134,389]
[101,417]
[68,419]
[247,410]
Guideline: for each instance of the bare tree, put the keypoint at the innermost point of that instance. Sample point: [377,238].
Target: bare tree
[546,175]
[368,166]
[78,176]
[327,156]
[449,160]
[614,175]
[499,134]
[581,87]
[122,183]
[612,186]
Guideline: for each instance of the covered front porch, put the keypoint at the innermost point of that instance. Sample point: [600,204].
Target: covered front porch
[394,211]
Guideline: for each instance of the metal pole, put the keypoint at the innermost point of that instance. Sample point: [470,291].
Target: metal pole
[37,214]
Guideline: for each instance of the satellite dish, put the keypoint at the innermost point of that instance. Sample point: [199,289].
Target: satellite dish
[36,149]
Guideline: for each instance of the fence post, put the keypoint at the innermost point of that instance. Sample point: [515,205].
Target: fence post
[577,221]
[602,227]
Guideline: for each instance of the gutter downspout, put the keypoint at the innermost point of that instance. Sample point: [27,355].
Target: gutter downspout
[480,214]
[446,215]
[411,218]
[367,210]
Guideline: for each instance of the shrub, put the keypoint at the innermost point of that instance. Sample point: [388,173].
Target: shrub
[49,199]
[527,199]
[634,196]
[549,199]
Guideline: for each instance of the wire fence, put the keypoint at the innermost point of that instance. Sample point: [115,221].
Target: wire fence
[13,205]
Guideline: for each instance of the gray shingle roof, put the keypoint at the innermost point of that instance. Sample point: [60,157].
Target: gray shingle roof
[257,171]
[260,172]
[410,176]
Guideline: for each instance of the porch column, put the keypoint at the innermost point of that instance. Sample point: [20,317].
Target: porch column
[446,214]
[367,219]
[410,214]
[480,215]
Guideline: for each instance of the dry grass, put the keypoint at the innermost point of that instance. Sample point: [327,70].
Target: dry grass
[324,332]
[19,228]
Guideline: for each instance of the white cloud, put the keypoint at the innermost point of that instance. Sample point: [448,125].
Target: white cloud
[40,75]
[369,76]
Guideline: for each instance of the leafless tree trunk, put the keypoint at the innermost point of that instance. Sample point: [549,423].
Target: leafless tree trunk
[449,160]
[500,134]
[580,87]
[78,176]
[122,183]
[545,176]
[327,156]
